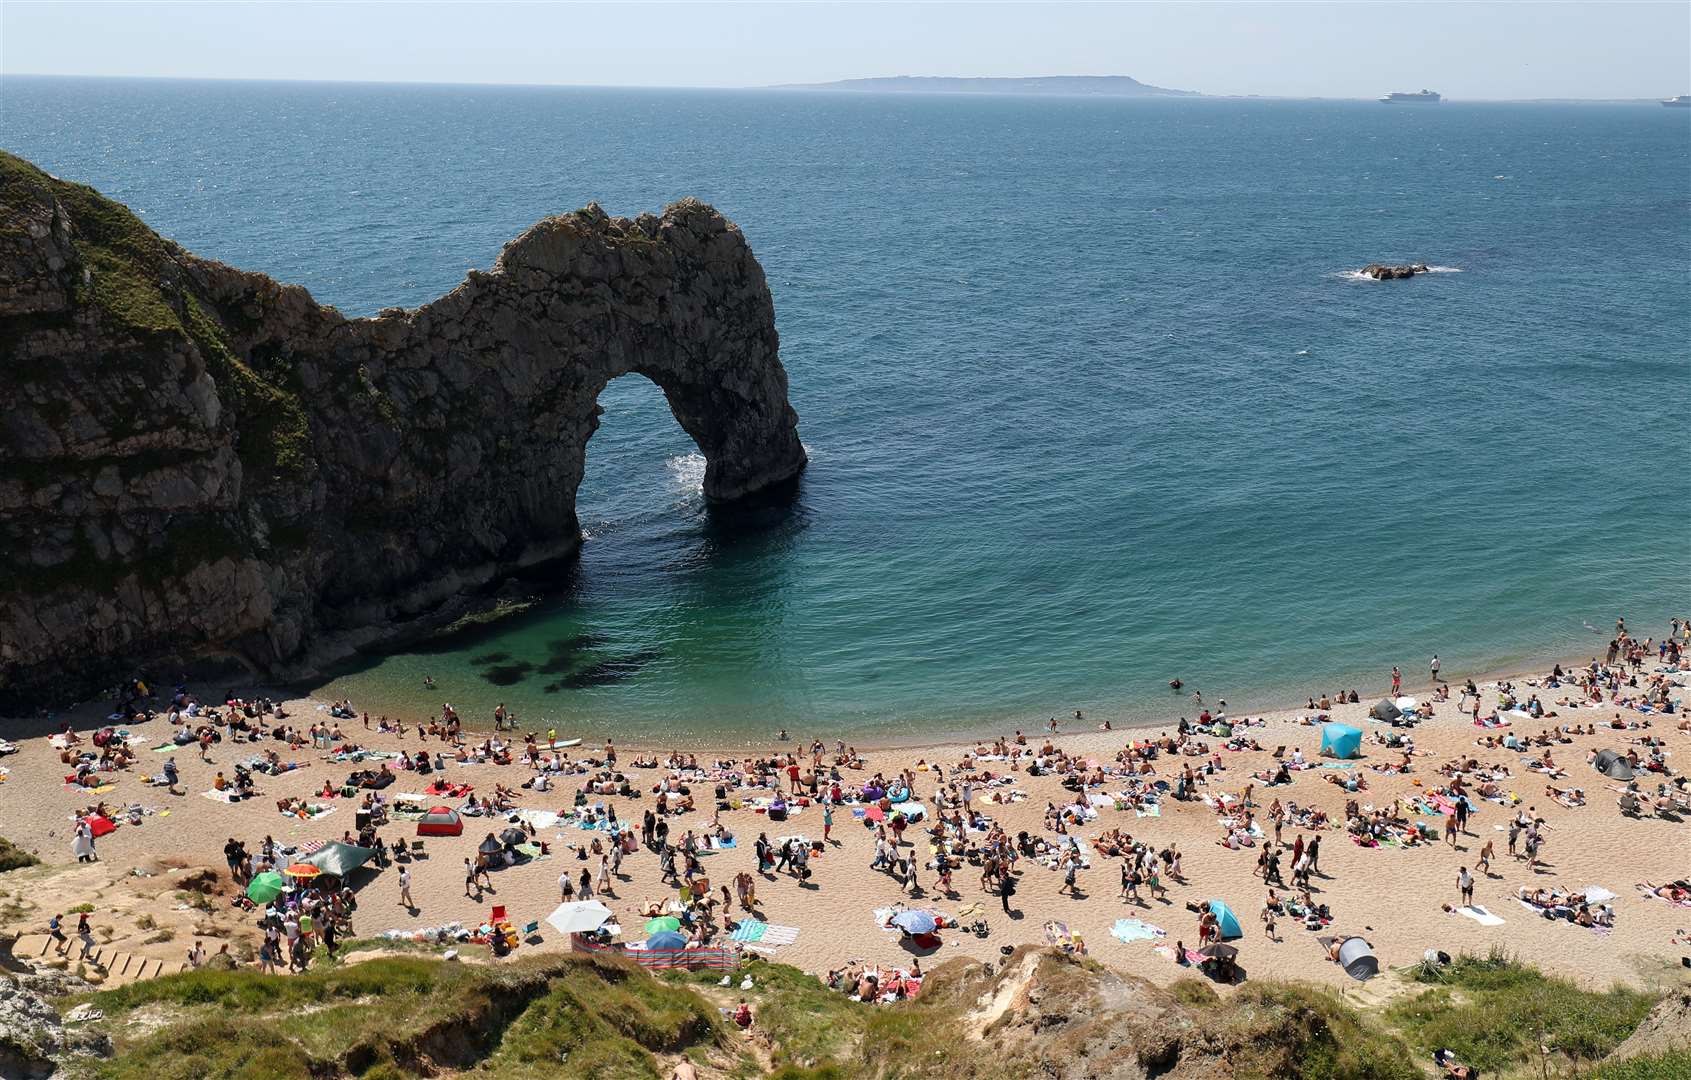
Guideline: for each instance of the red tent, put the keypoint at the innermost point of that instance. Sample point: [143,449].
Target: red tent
[440,821]
[99,826]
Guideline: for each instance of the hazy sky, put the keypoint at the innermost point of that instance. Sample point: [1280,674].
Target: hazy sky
[1354,49]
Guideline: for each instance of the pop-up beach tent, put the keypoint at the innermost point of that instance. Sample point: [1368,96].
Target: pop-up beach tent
[339,859]
[1226,920]
[1341,741]
[1613,765]
[1358,959]
[440,821]
[1385,710]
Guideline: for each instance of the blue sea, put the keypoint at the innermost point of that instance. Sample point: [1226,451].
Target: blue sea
[1093,395]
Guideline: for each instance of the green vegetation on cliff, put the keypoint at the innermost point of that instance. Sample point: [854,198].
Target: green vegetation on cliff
[1497,1013]
[135,284]
[1040,1014]
[13,857]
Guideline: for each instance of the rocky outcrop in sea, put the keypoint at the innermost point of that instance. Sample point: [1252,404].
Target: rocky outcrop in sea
[196,461]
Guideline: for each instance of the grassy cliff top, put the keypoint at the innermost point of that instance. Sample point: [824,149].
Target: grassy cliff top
[569,1016]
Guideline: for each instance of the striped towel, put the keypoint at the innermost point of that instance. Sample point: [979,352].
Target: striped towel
[749,930]
[775,936]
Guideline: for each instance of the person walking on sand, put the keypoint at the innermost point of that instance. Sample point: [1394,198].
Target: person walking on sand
[1484,864]
[1465,885]
[1268,917]
[405,900]
[827,821]
[1397,681]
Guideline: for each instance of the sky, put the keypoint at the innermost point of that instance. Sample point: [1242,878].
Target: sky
[1360,48]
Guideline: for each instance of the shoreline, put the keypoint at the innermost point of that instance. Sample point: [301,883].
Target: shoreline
[961,739]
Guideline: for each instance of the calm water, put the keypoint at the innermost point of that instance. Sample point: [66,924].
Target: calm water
[1091,398]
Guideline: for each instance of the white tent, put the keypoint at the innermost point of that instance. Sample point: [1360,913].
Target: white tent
[581,917]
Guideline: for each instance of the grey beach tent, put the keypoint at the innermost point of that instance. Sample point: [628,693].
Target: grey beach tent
[1357,958]
[1384,710]
[1613,765]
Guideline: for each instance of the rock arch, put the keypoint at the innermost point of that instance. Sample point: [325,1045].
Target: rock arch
[205,461]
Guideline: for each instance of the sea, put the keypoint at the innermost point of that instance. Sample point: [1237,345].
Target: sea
[1094,395]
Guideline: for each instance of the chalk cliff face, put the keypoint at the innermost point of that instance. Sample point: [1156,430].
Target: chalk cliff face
[197,461]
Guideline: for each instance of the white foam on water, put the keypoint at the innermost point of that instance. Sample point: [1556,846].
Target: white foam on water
[1444,269]
[1301,352]
[687,473]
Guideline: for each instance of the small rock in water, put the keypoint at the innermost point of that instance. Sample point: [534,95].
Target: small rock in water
[1381,272]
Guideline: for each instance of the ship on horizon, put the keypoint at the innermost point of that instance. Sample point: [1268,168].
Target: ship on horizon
[1426,97]
[1683,101]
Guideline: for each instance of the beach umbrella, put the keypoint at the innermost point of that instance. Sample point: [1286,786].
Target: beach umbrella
[266,887]
[669,939]
[1218,951]
[662,924]
[915,922]
[303,871]
[580,917]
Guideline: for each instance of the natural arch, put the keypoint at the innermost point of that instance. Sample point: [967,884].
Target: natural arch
[212,462]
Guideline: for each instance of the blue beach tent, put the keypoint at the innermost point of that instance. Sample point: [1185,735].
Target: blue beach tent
[1226,920]
[1341,741]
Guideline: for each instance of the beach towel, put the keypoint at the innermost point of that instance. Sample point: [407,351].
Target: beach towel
[217,796]
[540,819]
[1152,810]
[1131,930]
[1480,915]
[777,936]
[749,930]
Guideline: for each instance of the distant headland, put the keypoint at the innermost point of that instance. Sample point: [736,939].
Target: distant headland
[1092,85]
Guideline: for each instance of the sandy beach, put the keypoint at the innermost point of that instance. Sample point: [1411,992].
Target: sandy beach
[1395,896]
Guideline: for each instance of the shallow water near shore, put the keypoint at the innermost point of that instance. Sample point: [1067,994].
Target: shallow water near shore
[1093,395]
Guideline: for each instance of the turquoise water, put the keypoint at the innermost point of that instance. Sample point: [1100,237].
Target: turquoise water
[1091,396]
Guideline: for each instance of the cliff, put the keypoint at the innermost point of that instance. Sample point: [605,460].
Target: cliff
[197,461]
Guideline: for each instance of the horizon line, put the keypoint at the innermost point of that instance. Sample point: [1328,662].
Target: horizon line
[804,87]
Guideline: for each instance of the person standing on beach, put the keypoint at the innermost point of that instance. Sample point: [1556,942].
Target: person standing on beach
[1484,865]
[827,821]
[405,889]
[1465,885]
[1397,681]
[1434,665]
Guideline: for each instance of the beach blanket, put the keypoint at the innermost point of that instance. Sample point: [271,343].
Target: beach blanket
[777,936]
[1151,810]
[540,819]
[218,796]
[749,930]
[172,748]
[1480,915]
[313,811]
[1131,930]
